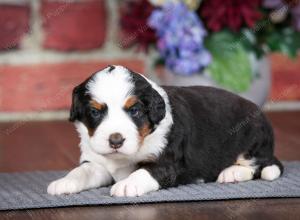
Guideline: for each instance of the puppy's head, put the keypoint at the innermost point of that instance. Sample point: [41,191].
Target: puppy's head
[115,110]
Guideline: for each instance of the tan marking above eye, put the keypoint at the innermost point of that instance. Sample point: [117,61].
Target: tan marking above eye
[97,105]
[130,102]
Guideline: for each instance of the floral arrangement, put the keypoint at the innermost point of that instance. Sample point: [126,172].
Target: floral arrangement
[219,37]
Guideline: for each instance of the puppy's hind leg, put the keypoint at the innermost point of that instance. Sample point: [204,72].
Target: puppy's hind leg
[245,170]
[242,170]
[236,173]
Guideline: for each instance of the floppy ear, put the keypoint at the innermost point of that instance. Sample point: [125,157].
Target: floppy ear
[75,111]
[156,106]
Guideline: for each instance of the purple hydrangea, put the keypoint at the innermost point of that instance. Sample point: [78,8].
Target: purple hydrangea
[180,38]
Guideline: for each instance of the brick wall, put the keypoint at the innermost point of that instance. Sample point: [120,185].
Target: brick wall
[48,46]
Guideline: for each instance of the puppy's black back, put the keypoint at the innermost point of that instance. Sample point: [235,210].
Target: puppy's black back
[217,126]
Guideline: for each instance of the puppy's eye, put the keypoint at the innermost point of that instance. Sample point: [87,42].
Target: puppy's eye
[95,113]
[134,111]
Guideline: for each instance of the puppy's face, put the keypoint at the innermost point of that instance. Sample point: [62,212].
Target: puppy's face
[115,110]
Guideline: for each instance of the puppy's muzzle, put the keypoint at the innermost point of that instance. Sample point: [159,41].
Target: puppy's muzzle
[116,140]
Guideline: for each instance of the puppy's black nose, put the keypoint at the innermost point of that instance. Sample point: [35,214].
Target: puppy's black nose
[116,140]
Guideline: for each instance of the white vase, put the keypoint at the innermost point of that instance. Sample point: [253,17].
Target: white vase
[257,93]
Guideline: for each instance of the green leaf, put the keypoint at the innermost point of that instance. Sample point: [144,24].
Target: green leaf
[247,39]
[285,40]
[231,66]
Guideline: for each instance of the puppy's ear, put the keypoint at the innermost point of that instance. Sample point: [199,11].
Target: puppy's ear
[156,107]
[76,107]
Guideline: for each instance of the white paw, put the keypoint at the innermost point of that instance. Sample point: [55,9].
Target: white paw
[64,186]
[137,184]
[126,188]
[236,173]
[270,172]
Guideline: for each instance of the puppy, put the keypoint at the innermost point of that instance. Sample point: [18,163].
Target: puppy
[141,137]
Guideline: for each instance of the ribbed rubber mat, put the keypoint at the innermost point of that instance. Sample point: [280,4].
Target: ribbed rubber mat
[28,190]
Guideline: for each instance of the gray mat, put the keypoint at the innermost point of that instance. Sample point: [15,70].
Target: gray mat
[28,190]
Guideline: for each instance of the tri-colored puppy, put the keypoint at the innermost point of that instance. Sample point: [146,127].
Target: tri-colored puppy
[141,137]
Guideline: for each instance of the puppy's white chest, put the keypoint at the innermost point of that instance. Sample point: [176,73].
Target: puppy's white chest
[123,172]
[119,169]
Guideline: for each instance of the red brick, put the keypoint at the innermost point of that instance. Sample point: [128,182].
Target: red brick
[285,78]
[74,25]
[48,86]
[14,23]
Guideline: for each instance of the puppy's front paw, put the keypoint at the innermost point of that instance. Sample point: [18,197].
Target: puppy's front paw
[137,184]
[64,186]
[127,188]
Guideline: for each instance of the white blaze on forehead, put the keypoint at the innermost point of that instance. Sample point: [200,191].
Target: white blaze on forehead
[112,87]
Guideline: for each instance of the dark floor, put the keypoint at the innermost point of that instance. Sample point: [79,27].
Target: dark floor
[26,146]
